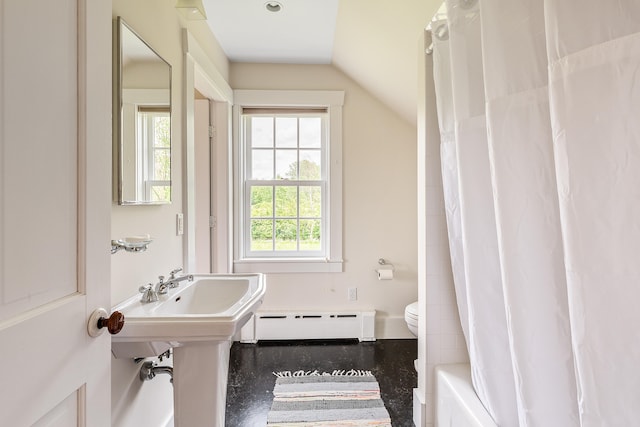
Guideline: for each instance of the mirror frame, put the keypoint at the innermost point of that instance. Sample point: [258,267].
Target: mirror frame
[118,138]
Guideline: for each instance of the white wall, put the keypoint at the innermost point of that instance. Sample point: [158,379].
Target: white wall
[379,202]
[157,21]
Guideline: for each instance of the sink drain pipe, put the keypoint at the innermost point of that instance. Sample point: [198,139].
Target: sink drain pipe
[149,370]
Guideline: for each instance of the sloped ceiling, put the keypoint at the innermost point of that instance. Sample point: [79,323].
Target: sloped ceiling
[374,42]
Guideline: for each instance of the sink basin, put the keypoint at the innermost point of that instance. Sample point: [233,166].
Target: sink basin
[213,307]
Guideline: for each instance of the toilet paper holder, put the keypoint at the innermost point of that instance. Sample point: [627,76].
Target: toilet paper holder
[385,272]
[384,262]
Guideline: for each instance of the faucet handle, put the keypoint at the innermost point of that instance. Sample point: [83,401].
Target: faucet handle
[148,294]
[172,274]
[144,288]
[161,279]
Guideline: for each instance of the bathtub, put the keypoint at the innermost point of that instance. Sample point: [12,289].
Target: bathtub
[457,402]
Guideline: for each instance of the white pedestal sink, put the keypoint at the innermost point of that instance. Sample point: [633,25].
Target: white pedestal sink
[197,320]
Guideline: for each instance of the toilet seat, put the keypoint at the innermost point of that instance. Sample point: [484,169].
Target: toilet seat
[411,317]
[411,311]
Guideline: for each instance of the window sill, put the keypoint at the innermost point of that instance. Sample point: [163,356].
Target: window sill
[288,265]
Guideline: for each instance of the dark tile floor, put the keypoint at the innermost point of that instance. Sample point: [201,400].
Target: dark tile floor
[251,379]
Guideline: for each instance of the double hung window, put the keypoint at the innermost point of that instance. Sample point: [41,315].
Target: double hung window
[285,183]
[286,187]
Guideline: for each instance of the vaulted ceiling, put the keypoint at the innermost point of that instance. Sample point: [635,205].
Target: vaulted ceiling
[374,42]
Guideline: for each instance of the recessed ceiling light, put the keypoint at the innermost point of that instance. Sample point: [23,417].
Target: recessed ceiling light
[273,6]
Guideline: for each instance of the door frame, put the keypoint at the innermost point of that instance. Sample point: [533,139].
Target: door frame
[202,74]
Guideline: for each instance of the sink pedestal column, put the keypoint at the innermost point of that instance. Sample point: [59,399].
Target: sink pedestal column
[200,384]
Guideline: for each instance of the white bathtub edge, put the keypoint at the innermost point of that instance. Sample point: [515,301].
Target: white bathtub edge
[457,403]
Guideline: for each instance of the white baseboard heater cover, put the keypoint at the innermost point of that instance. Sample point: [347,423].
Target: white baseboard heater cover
[271,325]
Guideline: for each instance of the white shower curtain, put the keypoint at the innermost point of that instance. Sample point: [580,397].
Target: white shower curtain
[488,340]
[549,194]
[525,195]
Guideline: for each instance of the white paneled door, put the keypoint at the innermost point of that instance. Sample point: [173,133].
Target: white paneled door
[55,174]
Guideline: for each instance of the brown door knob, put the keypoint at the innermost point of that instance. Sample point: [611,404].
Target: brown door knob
[113,323]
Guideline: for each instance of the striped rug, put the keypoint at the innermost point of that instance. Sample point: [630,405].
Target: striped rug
[336,399]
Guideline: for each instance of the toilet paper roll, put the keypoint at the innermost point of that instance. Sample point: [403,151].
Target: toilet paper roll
[385,274]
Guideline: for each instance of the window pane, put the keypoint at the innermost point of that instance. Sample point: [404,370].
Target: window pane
[310,164]
[261,202]
[262,164]
[162,130]
[262,131]
[160,193]
[161,165]
[286,235]
[310,132]
[310,235]
[261,235]
[286,201]
[286,164]
[287,132]
[310,202]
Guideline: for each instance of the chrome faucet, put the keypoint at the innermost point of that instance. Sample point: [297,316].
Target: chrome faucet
[150,293]
[174,281]
[162,287]
[172,273]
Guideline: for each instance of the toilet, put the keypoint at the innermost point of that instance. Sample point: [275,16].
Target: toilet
[411,317]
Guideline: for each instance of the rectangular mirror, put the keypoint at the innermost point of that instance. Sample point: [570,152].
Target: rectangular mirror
[142,120]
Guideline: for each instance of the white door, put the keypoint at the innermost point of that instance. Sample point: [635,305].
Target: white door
[55,146]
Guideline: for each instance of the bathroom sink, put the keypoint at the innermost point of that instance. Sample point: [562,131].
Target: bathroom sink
[196,319]
[213,307]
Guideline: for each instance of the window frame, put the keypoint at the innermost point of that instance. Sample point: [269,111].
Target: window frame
[331,259]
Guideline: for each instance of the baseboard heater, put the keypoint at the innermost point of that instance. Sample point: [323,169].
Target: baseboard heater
[302,325]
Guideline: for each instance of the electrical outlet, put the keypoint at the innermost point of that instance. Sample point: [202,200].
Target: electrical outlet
[352,294]
[179,224]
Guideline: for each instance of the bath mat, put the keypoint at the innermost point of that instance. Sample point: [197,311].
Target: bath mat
[337,399]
